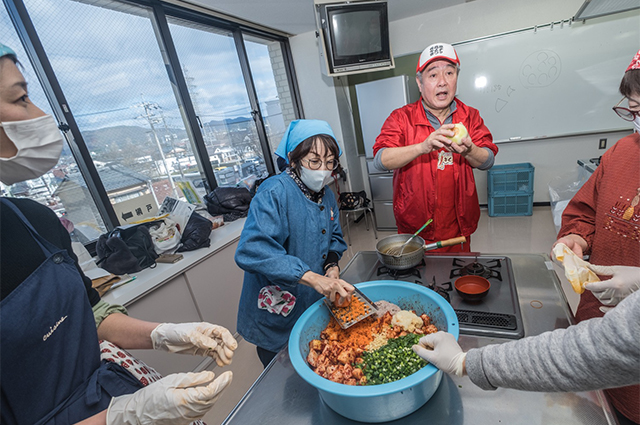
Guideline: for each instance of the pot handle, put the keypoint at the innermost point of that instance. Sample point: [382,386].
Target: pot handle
[448,242]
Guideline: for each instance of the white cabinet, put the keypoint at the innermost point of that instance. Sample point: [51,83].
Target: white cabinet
[204,286]
[216,285]
[209,291]
[381,184]
[376,100]
[171,302]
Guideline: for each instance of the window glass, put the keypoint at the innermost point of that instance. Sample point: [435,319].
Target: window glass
[107,60]
[272,86]
[110,62]
[53,189]
[211,67]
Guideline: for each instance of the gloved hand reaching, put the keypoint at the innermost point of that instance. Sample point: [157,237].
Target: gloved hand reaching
[624,281]
[203,339]
[446,354]
[176,399]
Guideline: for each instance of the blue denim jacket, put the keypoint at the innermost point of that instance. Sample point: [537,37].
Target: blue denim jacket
[285,235]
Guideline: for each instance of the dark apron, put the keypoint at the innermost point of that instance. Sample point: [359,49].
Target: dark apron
[50,360]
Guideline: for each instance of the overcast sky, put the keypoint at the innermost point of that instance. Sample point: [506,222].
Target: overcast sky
[107,62]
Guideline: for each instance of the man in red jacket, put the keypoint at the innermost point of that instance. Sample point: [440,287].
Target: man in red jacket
[433,175]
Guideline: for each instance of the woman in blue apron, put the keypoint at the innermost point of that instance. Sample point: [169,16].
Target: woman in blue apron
[50,365]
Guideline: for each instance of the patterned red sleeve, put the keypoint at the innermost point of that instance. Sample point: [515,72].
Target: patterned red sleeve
[579,217]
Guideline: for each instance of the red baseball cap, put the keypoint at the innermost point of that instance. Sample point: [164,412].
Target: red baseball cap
[436,52]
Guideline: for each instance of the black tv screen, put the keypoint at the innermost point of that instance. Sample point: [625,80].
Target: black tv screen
[356,33]
[356,36]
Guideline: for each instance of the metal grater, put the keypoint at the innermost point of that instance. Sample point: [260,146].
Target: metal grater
[337,312]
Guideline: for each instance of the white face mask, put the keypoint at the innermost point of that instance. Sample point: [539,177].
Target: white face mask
[39,144]
[636,123]
[315,179]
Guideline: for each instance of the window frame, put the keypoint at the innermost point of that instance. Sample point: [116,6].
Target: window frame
[160,11]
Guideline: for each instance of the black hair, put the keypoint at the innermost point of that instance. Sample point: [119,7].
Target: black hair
[630,84]
[330,144]
[281,163]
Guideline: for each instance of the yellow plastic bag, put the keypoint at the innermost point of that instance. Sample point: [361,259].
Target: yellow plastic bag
[575,268]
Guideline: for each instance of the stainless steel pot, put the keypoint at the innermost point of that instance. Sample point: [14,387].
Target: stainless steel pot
[411,257]
[413,253]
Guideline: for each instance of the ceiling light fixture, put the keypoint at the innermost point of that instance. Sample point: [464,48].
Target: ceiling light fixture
[595,8]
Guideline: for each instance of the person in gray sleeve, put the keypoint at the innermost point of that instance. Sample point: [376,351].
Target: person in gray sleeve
[594,354]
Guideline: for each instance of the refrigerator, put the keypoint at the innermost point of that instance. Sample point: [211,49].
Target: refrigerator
[376,101]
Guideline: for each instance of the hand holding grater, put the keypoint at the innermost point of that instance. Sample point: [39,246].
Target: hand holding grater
[359,308]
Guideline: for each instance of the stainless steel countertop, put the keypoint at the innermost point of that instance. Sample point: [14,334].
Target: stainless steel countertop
[279,396]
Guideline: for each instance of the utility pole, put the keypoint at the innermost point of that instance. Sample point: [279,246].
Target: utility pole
[150,115]
[195,99]
[173,146]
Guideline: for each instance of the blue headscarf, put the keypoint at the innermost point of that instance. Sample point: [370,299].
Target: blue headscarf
[298,132]
[6,51]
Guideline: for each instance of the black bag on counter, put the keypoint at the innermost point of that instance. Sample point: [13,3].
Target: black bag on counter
[126,249]
[115,256]
[230,202]
[196,233]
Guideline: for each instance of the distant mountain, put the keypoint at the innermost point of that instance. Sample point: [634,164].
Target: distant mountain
[124,136]
[228,121]
[128,133]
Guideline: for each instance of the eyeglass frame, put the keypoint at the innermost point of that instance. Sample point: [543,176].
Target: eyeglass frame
[321,163]
[617,109]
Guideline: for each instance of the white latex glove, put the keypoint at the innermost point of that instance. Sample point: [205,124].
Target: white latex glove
[176,399]
[202,339]
[446,354]
[624,281]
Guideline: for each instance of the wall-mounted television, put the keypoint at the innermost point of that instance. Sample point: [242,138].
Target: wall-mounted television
[354,36]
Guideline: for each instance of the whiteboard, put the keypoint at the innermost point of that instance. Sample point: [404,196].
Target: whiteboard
[552,81]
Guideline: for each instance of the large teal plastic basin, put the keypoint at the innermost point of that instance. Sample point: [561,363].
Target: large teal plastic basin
[375,403]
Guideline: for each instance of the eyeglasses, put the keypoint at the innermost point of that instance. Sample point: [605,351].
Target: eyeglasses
[315,163]
[625,113]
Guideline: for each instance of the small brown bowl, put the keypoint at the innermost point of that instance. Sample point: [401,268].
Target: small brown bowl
[472,288]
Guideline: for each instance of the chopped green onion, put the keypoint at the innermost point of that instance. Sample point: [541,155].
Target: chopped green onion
[393,361]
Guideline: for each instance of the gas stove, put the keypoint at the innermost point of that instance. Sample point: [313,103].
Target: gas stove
[496,315]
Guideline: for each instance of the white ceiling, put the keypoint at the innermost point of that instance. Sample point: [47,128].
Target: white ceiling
[297,16]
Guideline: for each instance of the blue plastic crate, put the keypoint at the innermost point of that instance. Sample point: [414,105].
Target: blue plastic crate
[510,204]
[510,178]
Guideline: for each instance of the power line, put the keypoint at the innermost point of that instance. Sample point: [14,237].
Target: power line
[101,112]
